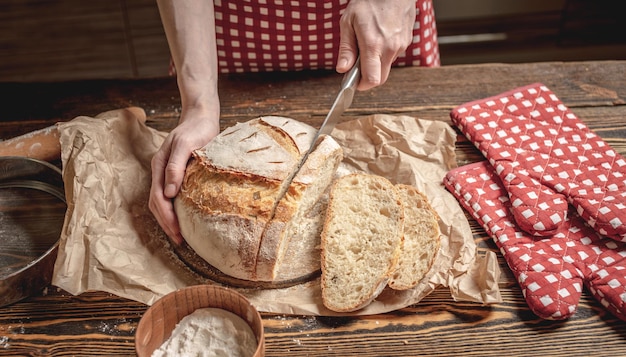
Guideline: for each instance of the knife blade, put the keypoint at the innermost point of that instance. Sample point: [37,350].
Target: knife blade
[342,102]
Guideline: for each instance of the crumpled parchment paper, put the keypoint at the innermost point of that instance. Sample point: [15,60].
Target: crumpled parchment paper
[111,242]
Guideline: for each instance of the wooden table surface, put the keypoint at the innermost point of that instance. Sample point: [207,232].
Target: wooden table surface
[59,324]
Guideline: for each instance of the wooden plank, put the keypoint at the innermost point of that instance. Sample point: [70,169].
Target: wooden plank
[590,89]
[146,39]
[62,40]
[98,324]
[308,94]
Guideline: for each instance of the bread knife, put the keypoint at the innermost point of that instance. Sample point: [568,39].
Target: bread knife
[342,102]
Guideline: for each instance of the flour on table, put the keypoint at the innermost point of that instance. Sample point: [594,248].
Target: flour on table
[210,332]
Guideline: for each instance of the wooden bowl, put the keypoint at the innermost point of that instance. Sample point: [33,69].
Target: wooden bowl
[158,322]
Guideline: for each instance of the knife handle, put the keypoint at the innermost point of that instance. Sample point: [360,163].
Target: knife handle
[352,77]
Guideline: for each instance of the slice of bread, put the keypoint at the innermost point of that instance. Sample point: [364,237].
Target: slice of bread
[361,240]
[421,239]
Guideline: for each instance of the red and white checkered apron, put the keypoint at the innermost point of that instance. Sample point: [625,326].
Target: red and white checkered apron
[291,35]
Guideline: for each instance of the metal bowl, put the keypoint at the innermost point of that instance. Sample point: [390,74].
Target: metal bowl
[32,208]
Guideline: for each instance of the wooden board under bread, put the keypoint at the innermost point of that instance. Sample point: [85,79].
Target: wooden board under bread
[189,257]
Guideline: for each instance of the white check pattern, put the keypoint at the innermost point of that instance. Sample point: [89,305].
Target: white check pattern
[291,35]
[547,157]
[550,270]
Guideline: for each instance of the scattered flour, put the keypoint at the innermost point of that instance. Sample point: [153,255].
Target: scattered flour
[210,332]
[4,342]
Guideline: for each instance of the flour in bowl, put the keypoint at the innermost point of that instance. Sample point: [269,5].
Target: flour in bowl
[210,332]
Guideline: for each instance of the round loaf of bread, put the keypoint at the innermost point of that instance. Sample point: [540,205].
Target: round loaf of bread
[236,211]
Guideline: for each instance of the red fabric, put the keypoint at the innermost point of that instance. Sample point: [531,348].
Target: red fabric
[547,157]
[551,271]
[275,35]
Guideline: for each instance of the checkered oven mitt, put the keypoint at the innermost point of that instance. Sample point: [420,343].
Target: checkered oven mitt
[550,270]
[546,157]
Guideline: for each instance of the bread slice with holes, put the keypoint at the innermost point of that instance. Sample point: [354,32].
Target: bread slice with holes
[421,239]
[361,240]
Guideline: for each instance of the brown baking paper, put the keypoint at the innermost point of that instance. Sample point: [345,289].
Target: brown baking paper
[111,242]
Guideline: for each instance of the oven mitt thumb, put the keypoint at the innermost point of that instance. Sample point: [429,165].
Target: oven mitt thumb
[551,270]
[546,157]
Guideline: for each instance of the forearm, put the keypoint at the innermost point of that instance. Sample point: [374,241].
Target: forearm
[190,29]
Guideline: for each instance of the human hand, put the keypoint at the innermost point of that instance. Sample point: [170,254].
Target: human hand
[378,30]
[196,128]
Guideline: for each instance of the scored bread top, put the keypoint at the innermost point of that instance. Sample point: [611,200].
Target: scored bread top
[251,147]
